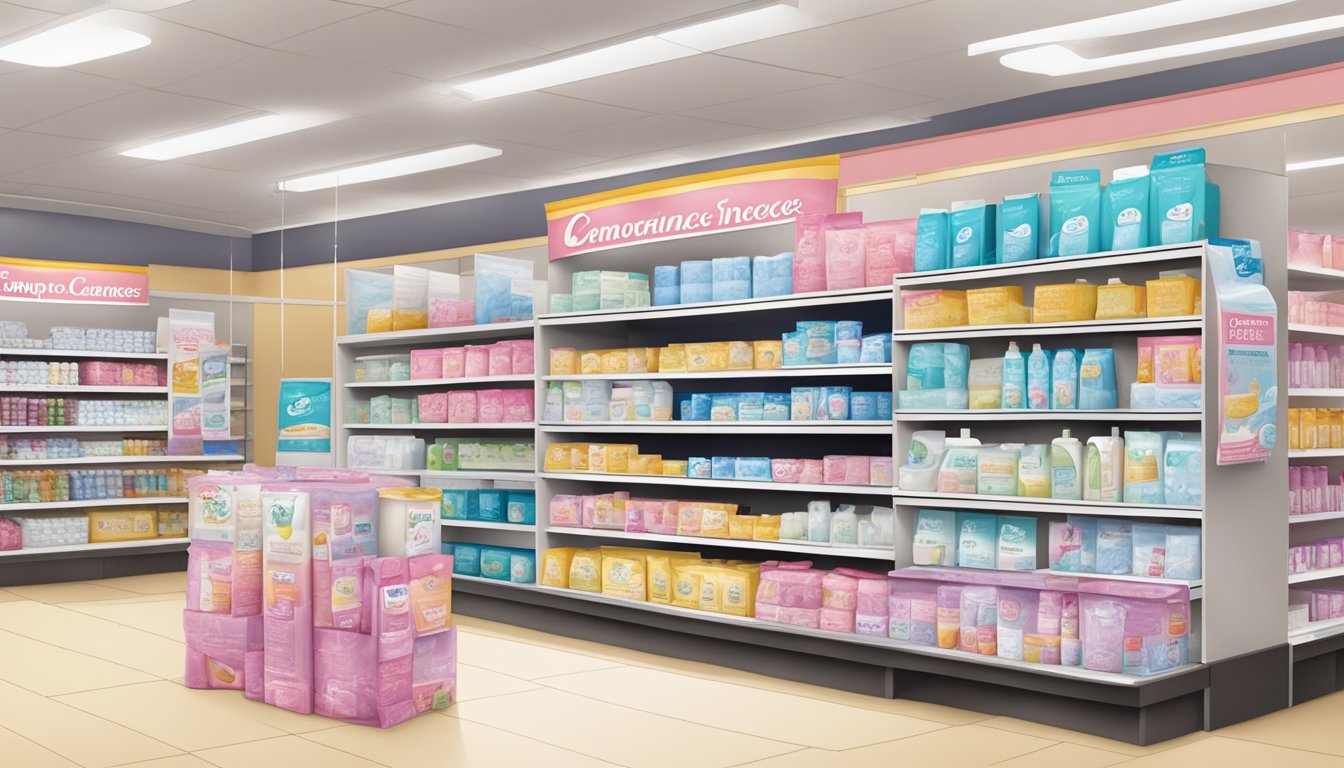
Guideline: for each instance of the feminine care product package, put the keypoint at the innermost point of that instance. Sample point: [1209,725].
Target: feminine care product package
[1247,368]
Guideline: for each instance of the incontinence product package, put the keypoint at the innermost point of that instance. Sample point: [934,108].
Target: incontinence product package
[1247,315]
[1019,228]
[971,225]
[1125,210]
[1183,205]
[343,538]
[224,561]
[287,566]
[223,651]
[790,593]
[1075,212]
[933,241]
[809,249]
[890,250]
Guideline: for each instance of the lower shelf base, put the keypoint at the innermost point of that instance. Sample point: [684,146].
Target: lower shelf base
[90,566]
[1318,668]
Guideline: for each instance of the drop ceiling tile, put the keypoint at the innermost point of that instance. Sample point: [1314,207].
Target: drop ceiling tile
[539,23]
[409,45]
[844,10]
[522,117]
[810,106]
[642,135]
[34,94]
[116,206]
[16,18]
[56,6]
[20,150]
[176,52]
[685,84]
[260,22]
[139,116]
[523,161]
[960,81]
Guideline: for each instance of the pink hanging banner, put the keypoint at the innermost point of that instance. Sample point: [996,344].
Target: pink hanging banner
[60,282]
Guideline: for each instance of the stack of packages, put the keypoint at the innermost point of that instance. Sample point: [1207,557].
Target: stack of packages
[295,598]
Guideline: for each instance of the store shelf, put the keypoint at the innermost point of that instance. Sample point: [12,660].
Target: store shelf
[1136,325]
[799,371]
[518,476]
[1315,330]
[1104,260]
[119,460]
[75,428]
[722,427]
[700,309]
[1316,630]
[500,582]
[1316,274]
[139,501]
[111,548]
[1315,517]
[526,378]
[1196,586]
[489,526]
[515,330]
[999,414]
[1316,453]
[1315,392]
[72,353]
[1043,506]
[81,389]
[443,427]
[624,479]
[1320,574]
[887,555]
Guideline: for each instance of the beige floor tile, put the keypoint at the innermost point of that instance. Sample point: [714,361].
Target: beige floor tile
[69,592]
[132,600]
[76,735]
[287,750]
[1065,756]
[451,743]
[18,751]
[194,719]
[1234,753]
[609,732]
[742,709]
[478,683]
[1087,740]
[149,583]
[52,671]
[1313,726]
[103,639]
[162,617]
[8,597]
[522,660]
[177,761]
[965,746]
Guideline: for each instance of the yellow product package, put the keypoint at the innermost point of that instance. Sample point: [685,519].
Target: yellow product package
[674,467]
[711,579]
[637,360]
[122,525]
[616,361]
[740,355]
[1176,363]
[689,516]
[936,308]
[1117,301]
[560,456]
[767,354]
[555,565]
[1337,427]
[590,362]
[1322,427]
[737,589]
[623,574]
[1294,429]
[658,577]
[742,527]
[1308,427]
[999,305]
[597,457]
[1064,302]
[564,361]
[686,580]
[672,359]
[714,519]
[403,320]
[585,570]
[1173,294]
[378,321]
[618,457]
[767,528]
[646,464]
[697,357]
[172,523]
[187,376]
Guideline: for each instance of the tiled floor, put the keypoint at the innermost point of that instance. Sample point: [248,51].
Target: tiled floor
[90,675]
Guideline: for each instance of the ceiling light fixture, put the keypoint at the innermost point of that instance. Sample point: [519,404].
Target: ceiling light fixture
[1307,165]
[393,167]
[1143,20]
[93,36]
[229,135]
[1056,60]
[756,24]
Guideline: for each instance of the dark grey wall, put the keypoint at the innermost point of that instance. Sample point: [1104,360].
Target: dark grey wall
[65,237]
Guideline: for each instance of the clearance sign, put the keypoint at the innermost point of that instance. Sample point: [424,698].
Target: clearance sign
[721,201]
[62,282]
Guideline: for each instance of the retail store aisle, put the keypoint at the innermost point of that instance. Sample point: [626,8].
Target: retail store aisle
[90,675]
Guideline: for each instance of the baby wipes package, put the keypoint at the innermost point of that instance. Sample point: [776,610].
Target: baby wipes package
[1075,212]
[1247,367]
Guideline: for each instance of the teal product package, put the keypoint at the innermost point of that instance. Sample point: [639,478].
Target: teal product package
[1016,543]
[971,225]
[1096,381]
[1179,192]
[1124,203]
[977,535]
[1075,212]
[304,418]
[933,243]
[1247,368]
[1019,224]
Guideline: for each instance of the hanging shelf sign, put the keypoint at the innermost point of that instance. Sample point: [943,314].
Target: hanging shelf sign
[721,201]
[68,282]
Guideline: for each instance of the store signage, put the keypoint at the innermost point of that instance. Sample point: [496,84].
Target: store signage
[690,207]
[72,283]
[304,417]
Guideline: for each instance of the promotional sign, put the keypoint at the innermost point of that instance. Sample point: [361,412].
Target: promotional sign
[61,282]
[722,201]
[304,416]
[1247,353]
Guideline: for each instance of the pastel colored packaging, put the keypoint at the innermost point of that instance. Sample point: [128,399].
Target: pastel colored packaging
[772,275]
[1247,363]
[1125,210]
[890,250]
[1016,549]
[431,593]
[933,242]
[666,285]
[1150,550]
[223,651]
[976,535]
[1097,388]
[846,248]
[1075,212]
[287,606]
[1115,548]
[1179,198]
[809,250]
[1185,553]
[1019,227]
[971,225]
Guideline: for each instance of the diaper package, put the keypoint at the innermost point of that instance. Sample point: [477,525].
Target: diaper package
[223,652]
[1075,212]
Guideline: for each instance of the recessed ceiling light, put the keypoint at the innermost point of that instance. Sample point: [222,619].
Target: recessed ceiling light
[1058,60]
[1143,20]
[393,167]
[755,24]
[1307,165]
[90,37]
[230,135]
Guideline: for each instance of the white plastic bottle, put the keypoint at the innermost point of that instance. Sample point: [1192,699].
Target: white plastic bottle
[1066,467]
[1104,467]
[1038,379]
[958,472]
[1014,378]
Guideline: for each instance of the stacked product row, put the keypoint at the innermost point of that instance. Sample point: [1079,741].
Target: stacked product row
[1126,547]
[1316,556]
[1317,366]
[490,505]
[445,454]
[625,458]
[38,448]
[459,406]
[601,401]
[100,526]
[1310,491]
[1318,308]
[412,298]
[1313,428]
[503,358]
[512,564]
[666,577]
[1308,605]
[1315,249]
[89,373]
[42,485]
[14,335]
[74,412]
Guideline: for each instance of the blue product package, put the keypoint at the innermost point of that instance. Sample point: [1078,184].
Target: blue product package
[1019,228]
[666,286]
[731,278]
[863,406]
[776,406]
[933,246]
[697,281]
[1150,550]
[848,330]
[977,536]
[496,277]
[772,275]
[724,406]
[820,348]
[466,559]
[751,406]
[875,349]
[702,406]
[1115,546]
[884,406]
[681,405]
[522,566]
[723,467]
[521,507]
[1183,475]
[848,342]
[491,506]
[795,348]
[1075,212]
[804,402]
[971,225]
[699,467]
[1178,198]
[1124,209]
[1184,560]
[496,562]
[456,504]
[752,468]
[1064,371]
[835,403]
[1087,532]
[1096,380]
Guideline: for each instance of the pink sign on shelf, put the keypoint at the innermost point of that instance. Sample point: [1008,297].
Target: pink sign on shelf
[72,283]
[743,205]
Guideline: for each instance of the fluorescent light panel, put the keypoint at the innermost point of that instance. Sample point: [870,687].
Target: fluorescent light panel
[1143,20]
[391,168]
[1056,60]
[95,36]
[1307,165]
[230,135]
[712,35]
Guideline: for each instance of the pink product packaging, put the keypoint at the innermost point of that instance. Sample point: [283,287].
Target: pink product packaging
[344,520]
[880,470]
[433,408]
[660,516]
[352,685]
[434,671]
[524,355]
[1308,248]
[609,510]
[789,585]
[809,248]
[218,651]
[589,511]
[223,579]
[798,617]
[634,515]
[462,407]
[11,535]
[813,471]
[426,363]
[979,621]
[477,362]
[490,406]
[890,250]
[500,360]
[567,511]
[846,470]
[845,251]
[446,313]
[518,405]
[454,363]
[1137,629]
[431,593]
[786,470]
